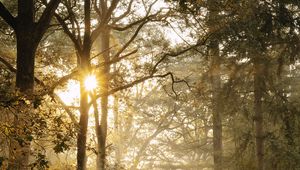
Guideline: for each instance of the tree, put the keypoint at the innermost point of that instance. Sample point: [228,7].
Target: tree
[102,31]
[28,33]
[217,100]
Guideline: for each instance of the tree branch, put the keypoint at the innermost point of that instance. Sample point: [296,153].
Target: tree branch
[96,8]
[131,39]
[147,17]
[154,70]
[103,6]
[75,71]
[8,65]
[53,95]
[174,54]
[73,38]
[115,20]
[45,19]
[129,25]
[110,10]
[8,18]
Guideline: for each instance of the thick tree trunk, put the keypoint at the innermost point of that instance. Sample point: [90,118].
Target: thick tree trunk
[29,34]
[26,47]
[25,62]
[259,87]
[104,46]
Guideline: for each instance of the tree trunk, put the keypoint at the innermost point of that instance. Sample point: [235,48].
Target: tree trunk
[259,87]
[25,62]
[83,123]
[84,108]
[217,107]
[29,34]
[118,150]
[26,48]
[104,46]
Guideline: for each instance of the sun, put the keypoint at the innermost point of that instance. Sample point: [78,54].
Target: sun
[90,82]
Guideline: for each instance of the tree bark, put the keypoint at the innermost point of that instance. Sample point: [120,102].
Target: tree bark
[26,47]
[84,106]
[216,108]
[217,105]
[259,87]
[27,43]
[118,150]
[83,124]
[104,46]
[29,34]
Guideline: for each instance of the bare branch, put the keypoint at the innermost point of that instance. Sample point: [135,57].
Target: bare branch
[130,25]
[154,70]
[174,54]
[96,8]
[45,19]
[103,6]
[8,18]
[66,108]
[147,17]
[62,80]
[150,7]
[8,65]
[131,39]
[125,13]
[110,10]
[117,59]
[73,38]
[74,22]
[182,37]
[100,53]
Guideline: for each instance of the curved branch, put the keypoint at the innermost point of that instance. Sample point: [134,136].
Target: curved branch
[130,40]
[110,10]
[147,17]
[115,20]
[8,18]
[73,38]
[154,70]
[45,19]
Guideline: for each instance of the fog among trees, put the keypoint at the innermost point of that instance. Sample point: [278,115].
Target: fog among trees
[149,85]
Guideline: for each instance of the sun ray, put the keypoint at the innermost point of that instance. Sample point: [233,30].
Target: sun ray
[90,82]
